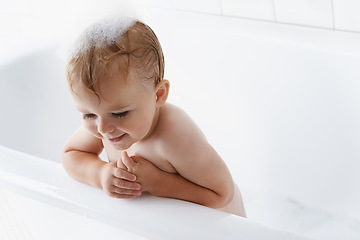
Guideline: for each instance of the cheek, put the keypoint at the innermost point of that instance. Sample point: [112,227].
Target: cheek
[92,128]
[139,124]
[132,125]
[146,120]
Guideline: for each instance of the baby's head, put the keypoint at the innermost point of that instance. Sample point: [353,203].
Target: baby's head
[115,74]
[115,46]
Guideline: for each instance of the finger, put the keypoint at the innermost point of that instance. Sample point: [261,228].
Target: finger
[138,159]
[127,185]
[122,196]
[126,191]
[120,164]
[128,162]
[123,174]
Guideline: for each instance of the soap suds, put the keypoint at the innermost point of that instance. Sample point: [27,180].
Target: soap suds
[105,31]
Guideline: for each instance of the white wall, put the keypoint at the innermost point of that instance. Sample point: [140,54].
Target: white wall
[28,18]
[40,20]
[37,21]
[333,14]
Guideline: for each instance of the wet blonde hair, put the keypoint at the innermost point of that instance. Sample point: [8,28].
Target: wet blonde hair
[90,62]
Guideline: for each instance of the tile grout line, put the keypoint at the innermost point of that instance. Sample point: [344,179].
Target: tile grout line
[333,14]
[274,11]
[221,8]
[262,20]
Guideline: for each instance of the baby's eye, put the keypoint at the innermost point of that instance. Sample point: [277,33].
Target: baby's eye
[120,114]
[88,115]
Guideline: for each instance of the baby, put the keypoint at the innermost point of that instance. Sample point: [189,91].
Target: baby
[116,79]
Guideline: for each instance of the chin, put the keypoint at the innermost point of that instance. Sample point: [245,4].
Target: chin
[121,146]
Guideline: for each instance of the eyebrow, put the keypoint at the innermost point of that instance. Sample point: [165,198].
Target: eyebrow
[117,109]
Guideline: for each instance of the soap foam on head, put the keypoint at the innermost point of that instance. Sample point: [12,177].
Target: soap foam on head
[105,31]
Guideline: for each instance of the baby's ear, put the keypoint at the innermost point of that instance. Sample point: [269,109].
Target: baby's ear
[162,92]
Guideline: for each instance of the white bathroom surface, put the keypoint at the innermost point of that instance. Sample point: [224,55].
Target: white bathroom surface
[44,182]
[20,219]
[12,225]
[272,209]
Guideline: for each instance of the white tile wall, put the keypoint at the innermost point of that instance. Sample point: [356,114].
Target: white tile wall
[152,3]
[333,14]
[205,6]
[255,9]
[305,12]
[347,14]
[18,6]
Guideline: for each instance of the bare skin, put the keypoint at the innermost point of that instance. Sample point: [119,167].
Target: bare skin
[170,157]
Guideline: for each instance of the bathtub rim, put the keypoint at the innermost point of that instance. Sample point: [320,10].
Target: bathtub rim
[49,183]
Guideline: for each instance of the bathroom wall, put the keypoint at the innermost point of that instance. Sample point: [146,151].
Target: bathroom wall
[39,20]
[332,14]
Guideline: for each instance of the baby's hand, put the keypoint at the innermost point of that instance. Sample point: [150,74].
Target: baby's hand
[147,174]
[118,182]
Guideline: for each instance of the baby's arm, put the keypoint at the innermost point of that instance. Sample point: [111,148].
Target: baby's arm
[164,184]
[202,177]
[81,160]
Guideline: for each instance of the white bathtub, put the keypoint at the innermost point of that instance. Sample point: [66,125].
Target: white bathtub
[279,103]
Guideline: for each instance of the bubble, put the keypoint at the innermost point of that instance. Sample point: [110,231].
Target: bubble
[105,31]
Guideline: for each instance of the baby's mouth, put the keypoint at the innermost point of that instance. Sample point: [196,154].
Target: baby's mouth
[117,139]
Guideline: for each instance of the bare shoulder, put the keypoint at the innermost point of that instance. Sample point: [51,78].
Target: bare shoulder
[175,123]
[179,134]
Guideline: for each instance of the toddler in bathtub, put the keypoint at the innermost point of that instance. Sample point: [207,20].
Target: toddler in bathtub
[115,75]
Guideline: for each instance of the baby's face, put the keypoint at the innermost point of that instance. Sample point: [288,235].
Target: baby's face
[126,113]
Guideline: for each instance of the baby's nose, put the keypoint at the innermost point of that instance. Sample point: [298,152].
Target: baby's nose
[105,126]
